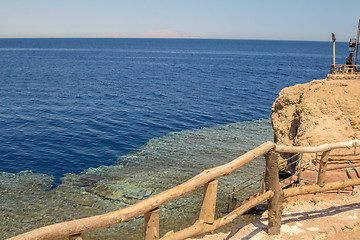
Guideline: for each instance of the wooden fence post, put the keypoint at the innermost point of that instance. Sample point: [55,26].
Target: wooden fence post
[322,168]
[152,224]
[275,204]
[207,212]
[76,237]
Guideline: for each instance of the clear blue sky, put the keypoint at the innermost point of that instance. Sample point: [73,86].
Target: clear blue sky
[234,19]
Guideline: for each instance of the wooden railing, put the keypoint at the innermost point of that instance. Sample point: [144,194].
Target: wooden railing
[206,222]
[341,68]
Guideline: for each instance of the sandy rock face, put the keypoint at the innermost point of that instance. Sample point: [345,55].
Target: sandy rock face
[319,112]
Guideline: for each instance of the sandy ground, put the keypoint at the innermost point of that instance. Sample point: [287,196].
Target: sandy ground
[317,218]
[332,216]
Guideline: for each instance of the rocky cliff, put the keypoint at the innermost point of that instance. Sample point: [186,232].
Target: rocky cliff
[322,111]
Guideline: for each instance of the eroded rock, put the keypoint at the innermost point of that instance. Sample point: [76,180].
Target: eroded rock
[319,112]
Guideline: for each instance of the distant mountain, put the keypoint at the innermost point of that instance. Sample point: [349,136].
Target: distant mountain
[165,33]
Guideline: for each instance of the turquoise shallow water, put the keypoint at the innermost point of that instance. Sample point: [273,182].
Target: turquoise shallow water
[29,200]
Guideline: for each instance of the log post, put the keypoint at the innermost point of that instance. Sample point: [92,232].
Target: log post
[207,212]
[275,204]
[76,237]
[322,168]
[152,224]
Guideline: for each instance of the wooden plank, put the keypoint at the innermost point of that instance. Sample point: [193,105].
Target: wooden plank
[207,212]
[152,224]
[322,168]
[275,204]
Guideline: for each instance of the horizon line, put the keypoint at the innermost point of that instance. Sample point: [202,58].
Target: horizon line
[177,38]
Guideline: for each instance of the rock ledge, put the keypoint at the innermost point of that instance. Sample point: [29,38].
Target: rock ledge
[319,112]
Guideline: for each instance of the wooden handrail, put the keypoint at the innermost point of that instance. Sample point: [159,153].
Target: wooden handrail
[321,148]
[340,65]
[73,227]
[200,227]
[205,223]
[343,68]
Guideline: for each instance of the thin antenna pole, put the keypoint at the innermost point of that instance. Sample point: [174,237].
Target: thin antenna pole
[334,53]
[333,39]
[357,44]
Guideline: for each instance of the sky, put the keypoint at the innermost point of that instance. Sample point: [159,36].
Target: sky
[227,19]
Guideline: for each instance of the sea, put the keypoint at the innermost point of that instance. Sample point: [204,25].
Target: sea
[89,126]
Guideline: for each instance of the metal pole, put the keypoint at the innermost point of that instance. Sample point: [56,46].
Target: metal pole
[334,53]
[357,44]
[300,167]
[333,39]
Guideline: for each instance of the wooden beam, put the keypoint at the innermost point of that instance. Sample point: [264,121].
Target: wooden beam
[310,189]
[275,204]
[152,224]
[321,148]
[200,227]
[322,168]
[207,212]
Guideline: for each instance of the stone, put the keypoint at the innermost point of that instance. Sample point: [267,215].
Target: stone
[356,191]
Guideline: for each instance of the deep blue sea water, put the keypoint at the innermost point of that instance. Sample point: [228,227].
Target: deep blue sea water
[104,123]
[70,104]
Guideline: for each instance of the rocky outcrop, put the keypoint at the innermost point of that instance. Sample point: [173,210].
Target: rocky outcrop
[319,112]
